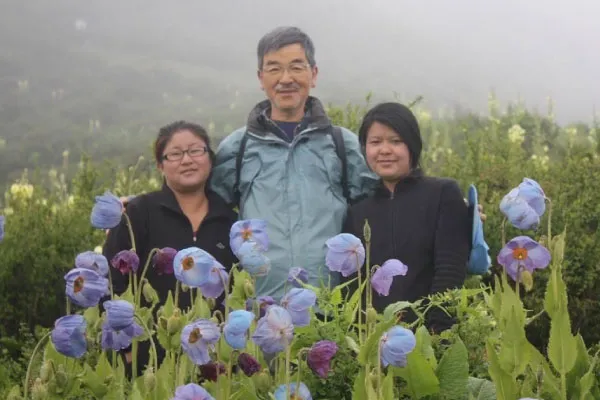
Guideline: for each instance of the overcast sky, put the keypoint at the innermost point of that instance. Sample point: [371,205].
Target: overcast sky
[450,51]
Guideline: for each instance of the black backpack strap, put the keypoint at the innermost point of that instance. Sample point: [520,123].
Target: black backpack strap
[340,149]
[238,169]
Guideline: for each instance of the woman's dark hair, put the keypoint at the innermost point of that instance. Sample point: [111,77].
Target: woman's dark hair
[166,133]
[399,118]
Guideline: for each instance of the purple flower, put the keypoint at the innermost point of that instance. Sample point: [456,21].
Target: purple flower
[298,302]
[118,340]
[524,205]
[119,314]
[395,345]
[248,229]
[85,287]
[263,303]
[248,364]
[106,213]
[92,260]
[274,331]
[253,259]
[197,268]
[524,252]
[345,254]
[191,391]
[236,328]
[68,336]
[197,337]
[163,260]
[211,371]
[2,220]
[381,281]
[319,357]
[297,276]
[301,393]
[126,261]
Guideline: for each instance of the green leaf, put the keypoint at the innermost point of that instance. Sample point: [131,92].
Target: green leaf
[424,345]
[352,344]
[453,371]
[514,353]
[391,310]
[93,382]
[388,387]
[359,390]
[351,307]
[562,347]
[369,352]
[587,382]
[419,376]
[506,388]
[582,364]
[481,389]
[540,367]
[555,299]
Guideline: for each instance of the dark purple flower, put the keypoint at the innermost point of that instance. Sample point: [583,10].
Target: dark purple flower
[345,254]
[525,253]
[163,260]
[119,314]
[297,276]
[107,211]
[126,261]
[211,371]
[248,230]
[395,345]
[197,337]
[85,287]
[191,391]
[68,336]
[248,364]
[118,340]
[381,281]
[92,260]
[298,303]
[274,331]
[319,357]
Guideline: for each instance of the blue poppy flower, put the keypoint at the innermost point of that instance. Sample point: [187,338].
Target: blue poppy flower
[197,337]
[382,278]
[191,391]
[345,254]
[118,340]
[297,276]
[253,259]
[68,336]
[2,220]
[296,393]
[248,230]
[524,205]
[263,303]
[395,345]
[274,331]
[298,303]
[525,253]
[237,326]
[85,287]
[197,268]
[119,314]
[92,260]
[533,193]
[107,211]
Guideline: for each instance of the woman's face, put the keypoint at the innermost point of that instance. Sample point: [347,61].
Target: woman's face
[186,163]
[387,154]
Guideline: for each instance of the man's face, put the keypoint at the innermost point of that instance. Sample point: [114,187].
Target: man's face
[287,77]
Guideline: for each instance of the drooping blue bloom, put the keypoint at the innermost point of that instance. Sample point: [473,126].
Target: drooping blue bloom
[382,278]
[118,340]
[533,193]
[119,314]
[191,391]
[107,211]
[2,220]
[197,268]
[524,205]
[525,252]
[92,260]
[246,230]
[263,303]
[253,259]
[300,393]
[68,336]
[274,331]
[126,261]
[236,328]
[197,337]
[345,254]
[298,303]
[395,345]
[479,257]
[297,276]
[85,287]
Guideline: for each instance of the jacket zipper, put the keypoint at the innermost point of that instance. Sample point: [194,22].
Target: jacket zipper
[393,219]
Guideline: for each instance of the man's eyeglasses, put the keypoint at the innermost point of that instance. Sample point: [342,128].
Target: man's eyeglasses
[177,155]
[295,68]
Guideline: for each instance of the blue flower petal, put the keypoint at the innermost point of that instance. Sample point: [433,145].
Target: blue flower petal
[85,287]
[236,328]
[68,336]
[92,260]
[2,221]
[345,254]
[248,229]
[119,313]
[253,259]
[107,211]
[395,344]
[192,391]
[300,393]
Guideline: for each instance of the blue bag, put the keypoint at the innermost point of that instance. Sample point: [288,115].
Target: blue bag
[479,259]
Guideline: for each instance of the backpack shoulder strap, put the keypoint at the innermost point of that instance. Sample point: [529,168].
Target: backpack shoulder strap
[238,169]
[340,149]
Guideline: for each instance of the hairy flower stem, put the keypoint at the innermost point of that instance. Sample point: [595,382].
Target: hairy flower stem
[503,230]
[130,229]
[549,223]
[138,295]
[288,351]
[360,337]
[368,288]
[152,345]
[68,307]
[177,294]
[28,373]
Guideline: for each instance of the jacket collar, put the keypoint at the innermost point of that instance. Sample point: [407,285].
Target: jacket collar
[414,176]
[216,205]
[260,123]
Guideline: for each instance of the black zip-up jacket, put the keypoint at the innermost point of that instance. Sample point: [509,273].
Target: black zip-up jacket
[424,223]
[158,221]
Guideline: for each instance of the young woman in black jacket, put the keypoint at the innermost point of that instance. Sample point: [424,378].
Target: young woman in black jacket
[183,213]
[421,221]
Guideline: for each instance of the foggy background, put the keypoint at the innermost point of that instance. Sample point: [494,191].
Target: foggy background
[91,75]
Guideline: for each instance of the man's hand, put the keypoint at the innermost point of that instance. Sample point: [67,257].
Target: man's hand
[480,209]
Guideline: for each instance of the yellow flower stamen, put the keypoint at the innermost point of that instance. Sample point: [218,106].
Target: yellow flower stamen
[187,263]
[78,284]
[520,253]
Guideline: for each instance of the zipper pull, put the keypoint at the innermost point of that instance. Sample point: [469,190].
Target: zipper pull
[194,238]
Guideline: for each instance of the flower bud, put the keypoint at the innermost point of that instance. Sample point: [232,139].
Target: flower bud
[526,280]
[248,288]
[262,380]
[47,371]
[162,322]
[149,293]
[374,381]
[39,391]
[212,303]
[184,288]
[160,311]
[367,231]
[173,324]
[61,376]
[248,364]
[371,316]
[149,379]
[15,394]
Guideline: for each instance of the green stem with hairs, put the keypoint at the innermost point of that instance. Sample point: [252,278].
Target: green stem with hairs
[288,351]
[138,295]
[30,364]
[152,345]
[360,336]
[130,229]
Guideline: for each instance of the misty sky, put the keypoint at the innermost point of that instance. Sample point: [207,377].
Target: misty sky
[451,51]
